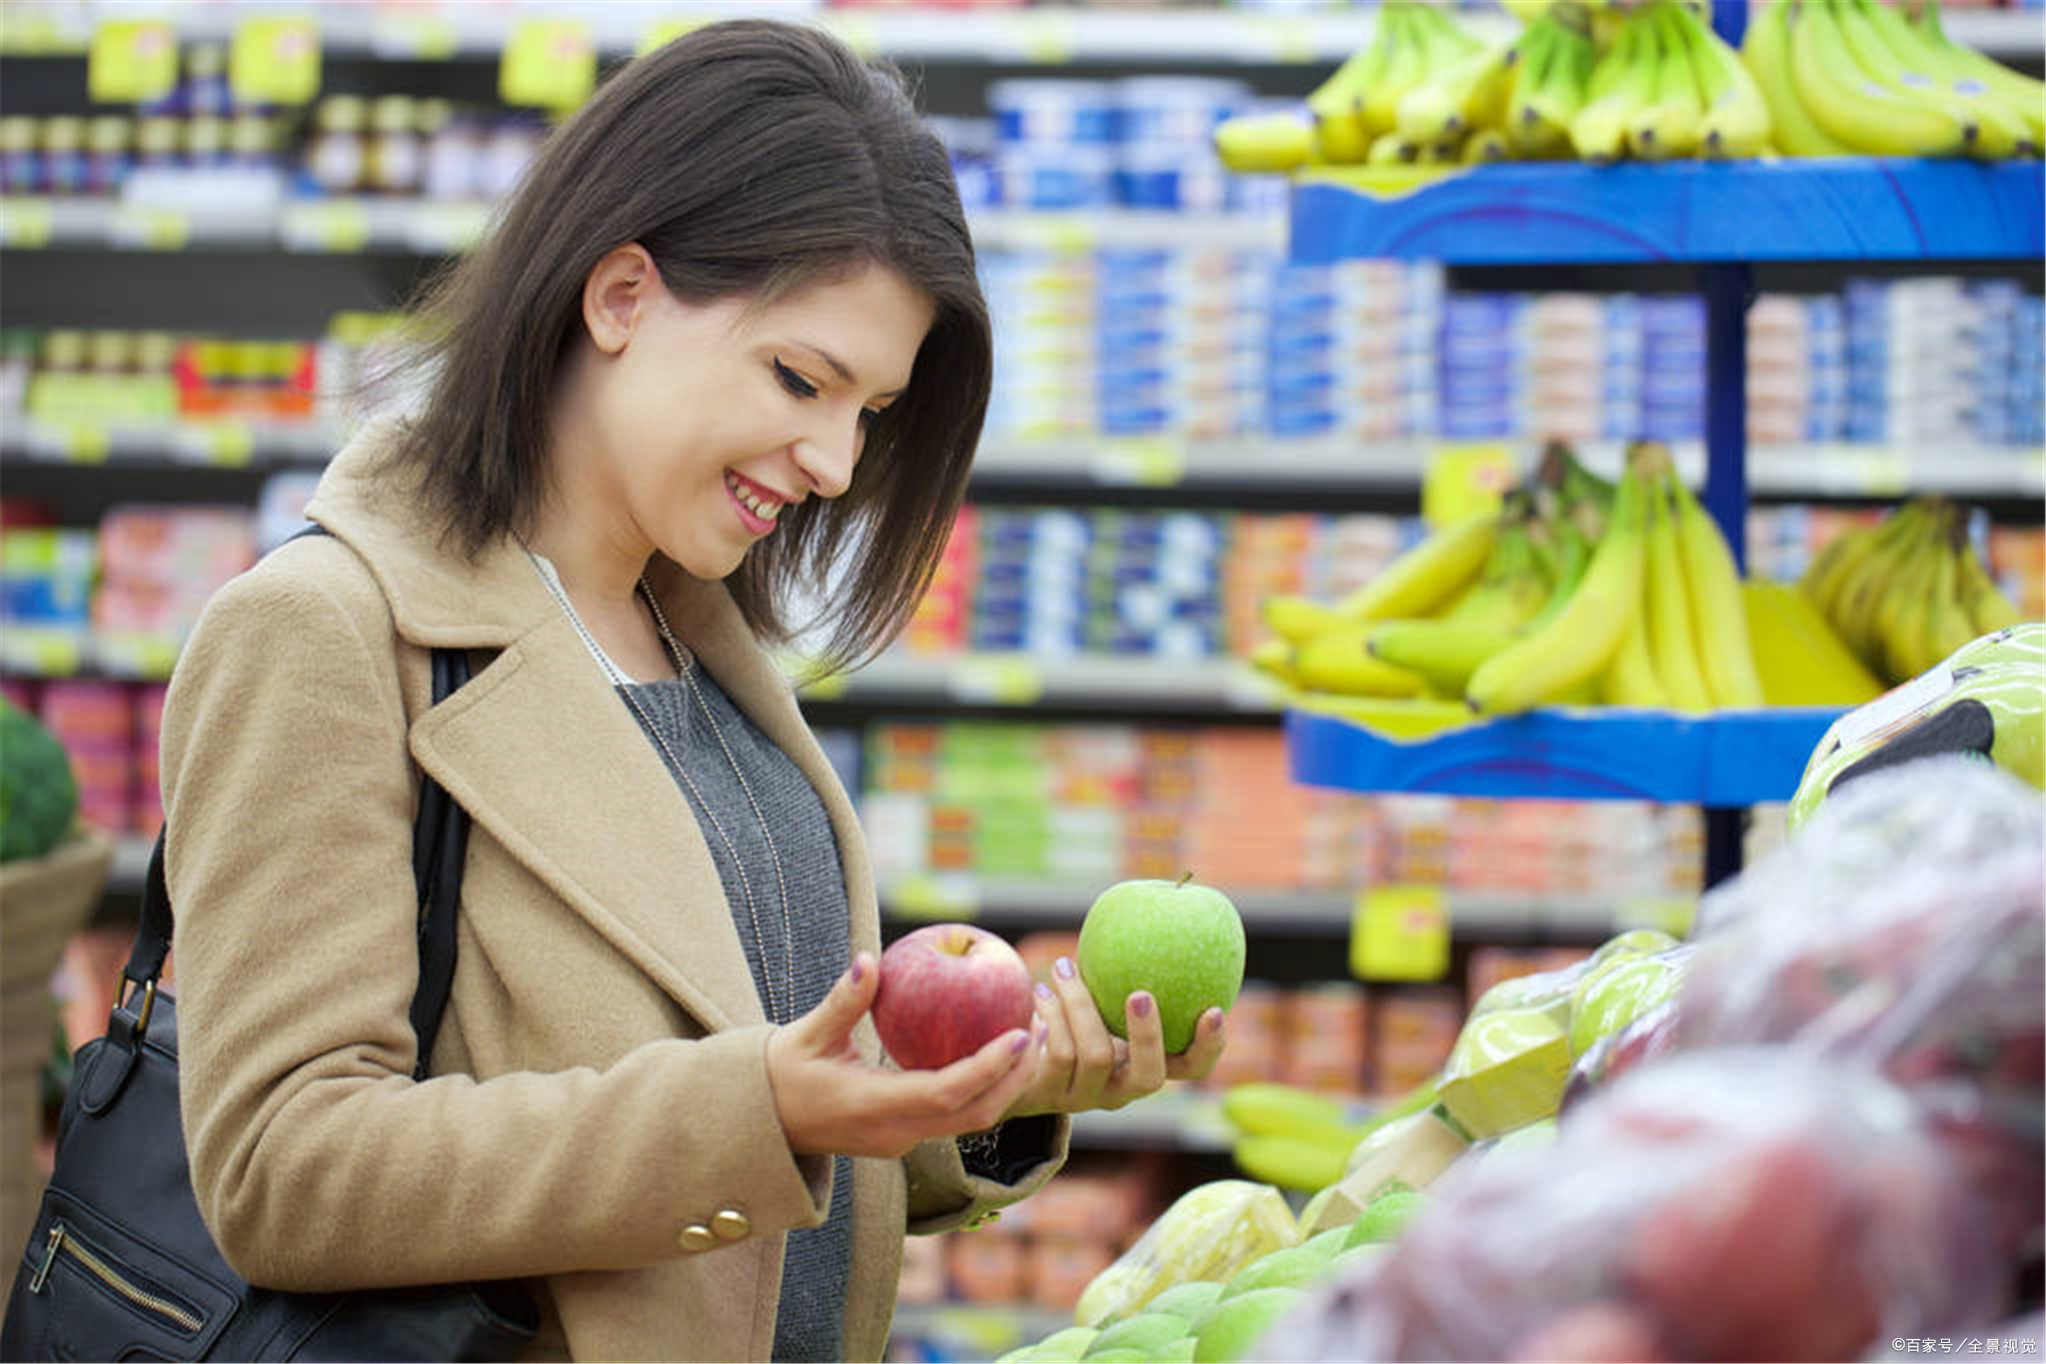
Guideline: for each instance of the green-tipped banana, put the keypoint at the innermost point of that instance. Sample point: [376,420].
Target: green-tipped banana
[1719,622]
[1543,112]
[1765,51]
[1450,102]
[1988,609]
[1427,575]
[1406,65]
[1574,645]
[1668,128]
[1736,118]
[1341,662]
[1854,109]
[1621,86]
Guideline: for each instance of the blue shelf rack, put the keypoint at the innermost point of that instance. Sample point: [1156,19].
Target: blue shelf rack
[1722,217]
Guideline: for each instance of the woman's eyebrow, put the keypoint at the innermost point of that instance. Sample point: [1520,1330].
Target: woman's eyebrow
[842,370]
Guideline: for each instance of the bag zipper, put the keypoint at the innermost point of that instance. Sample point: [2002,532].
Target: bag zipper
[62,1239]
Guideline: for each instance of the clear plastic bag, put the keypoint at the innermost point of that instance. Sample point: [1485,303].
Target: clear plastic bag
[1738,1204]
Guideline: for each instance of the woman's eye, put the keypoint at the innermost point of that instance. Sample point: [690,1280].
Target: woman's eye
[794,382]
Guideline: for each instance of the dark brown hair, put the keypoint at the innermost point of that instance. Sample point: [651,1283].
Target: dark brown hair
[750,158]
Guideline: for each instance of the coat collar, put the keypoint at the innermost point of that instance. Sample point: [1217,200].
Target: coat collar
[541,752]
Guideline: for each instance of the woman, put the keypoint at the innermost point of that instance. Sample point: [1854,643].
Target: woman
[725,338]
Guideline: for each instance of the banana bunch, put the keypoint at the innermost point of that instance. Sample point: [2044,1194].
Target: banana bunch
[1907,592]
[1578,592]
[1668,87]
[1857,77]
[1288,1136]
[1357,107]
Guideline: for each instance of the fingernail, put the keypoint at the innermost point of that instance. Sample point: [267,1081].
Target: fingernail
[1214,1020]
[1140,1005]
[1064,967]
[1043,990]
[1043,1031]
[1022,1040]
[859,968]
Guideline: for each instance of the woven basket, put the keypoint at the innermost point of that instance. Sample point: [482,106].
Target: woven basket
[43,901]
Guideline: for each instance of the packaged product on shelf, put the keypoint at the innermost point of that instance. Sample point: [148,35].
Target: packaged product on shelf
[1733,1204]
[989,1265]
[1059,1267]
[923,1270]
[1327,1039]
[95,723]
[1412,1032]
[21,167]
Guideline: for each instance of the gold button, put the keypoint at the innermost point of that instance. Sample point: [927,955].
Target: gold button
[696,1237]
[731,1224]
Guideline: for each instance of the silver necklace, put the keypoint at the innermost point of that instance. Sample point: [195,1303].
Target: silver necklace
[685,665]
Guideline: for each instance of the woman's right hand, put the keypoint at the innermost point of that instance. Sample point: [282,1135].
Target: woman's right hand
[831,1102]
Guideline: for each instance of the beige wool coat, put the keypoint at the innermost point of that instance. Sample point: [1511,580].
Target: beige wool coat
[599,1097]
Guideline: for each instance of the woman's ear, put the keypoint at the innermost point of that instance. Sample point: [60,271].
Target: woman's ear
[616,294]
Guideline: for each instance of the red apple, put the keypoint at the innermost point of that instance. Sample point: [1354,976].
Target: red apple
[946,991]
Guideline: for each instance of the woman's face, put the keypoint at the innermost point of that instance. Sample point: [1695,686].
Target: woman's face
[693,426]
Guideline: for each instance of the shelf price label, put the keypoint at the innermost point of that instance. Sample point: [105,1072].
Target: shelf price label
[81,442]
[25,224]
[275,61]
[1002,681]
[935,897]
[548,64]
[340,228]
[1462,481]
[149,229]
[1400,932]
[225,445]
[131,61]
[1039,39]
[43,651]
[1139,464]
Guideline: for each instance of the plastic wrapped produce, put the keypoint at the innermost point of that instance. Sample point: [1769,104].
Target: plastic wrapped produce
[1902,928]
[1651,1035]
[1738,1204]
[1209,1233]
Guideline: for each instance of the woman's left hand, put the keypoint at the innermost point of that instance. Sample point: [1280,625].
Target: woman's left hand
[1085,1066]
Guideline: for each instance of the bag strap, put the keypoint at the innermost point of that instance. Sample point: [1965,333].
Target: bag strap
[440,840]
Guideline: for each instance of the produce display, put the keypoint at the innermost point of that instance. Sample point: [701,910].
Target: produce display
[1578,592]
[1909,591]
[38,796]
[1649,80]
[1811,1129]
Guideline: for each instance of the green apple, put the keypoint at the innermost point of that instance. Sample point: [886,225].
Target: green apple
[1232,1327]
[1063,1347]
[1386,1218]
[1609,1000]
[1180,941]
[1293,1267]
[1179,1351]
[1351,1258]
[1186,1301]
[1327,1243]
[1145,1331]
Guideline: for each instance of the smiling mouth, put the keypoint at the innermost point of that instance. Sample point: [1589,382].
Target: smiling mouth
[764,506]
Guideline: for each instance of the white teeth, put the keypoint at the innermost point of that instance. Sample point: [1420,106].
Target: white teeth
[764,508]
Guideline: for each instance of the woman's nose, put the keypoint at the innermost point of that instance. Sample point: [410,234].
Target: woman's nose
[827,457]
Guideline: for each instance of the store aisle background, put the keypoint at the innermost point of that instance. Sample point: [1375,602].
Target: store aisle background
[194,294]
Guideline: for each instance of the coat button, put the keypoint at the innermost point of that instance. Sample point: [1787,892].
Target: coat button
[696,1237]
[730,1224]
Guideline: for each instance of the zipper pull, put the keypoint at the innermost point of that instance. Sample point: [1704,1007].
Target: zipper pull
[35,1285]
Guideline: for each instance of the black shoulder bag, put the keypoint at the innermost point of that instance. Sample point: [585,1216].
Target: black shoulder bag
[120,1266]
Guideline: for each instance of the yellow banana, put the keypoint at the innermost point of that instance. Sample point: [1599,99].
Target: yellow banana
[1266,1109]
[1852,108]
[2021,94]
[1486,145]
[1339,661]
[1712,585]
[1406,65]
[1298,619]
[1390,149]
[1668,126]
[1339,131]
[1630,680]
[1947,623]
[1574,645]
[1451,101]
[1427,575]
[1274,658]
[1263,142]
[1672,641]
[1900,614]
[1853,612]
[1833,563]
[1543,112]
[1294,1163]
[1765,51]
[1988,609]
[1800,660]
[1891,55]
[1736,118]
[1622,85]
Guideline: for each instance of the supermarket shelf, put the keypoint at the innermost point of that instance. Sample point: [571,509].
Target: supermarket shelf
[1047,35]
[1024,902]
[357,224]
[1728,759]
[1173,1119]
[1558,213]
[1316,463]
[1104,681]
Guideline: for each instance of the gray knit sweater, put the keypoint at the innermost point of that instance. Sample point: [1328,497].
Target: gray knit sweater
[692,716]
